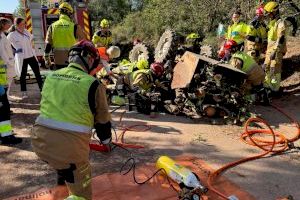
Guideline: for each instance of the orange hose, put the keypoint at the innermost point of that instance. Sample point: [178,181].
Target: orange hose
[124,128]
[278,144]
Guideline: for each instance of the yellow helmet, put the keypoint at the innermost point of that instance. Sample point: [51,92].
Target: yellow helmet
[66,8]
[142,64]
[192,36]
[271,6]
[104,23]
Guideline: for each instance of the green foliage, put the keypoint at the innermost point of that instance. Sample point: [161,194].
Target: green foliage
[20,10]
[148,19]
[114,10]
[182,16]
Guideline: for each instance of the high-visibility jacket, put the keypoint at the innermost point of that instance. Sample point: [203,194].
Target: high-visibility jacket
[248,62]
[64,103]
[63,33]
[102,39]
[3,73]
[276,29]
[257,31]
[237,32]
[141,78]
[255,74]
[256,42]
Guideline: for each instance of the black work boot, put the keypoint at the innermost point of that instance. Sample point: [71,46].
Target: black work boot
[11,139]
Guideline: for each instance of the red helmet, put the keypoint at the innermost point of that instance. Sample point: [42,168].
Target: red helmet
[260,11]
[84,48]
[229,44]
[157,68]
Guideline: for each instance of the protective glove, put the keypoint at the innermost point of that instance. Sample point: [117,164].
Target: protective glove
[273,55]
[2,90]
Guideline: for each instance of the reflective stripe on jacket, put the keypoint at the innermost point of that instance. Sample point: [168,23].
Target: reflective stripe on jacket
[5,128]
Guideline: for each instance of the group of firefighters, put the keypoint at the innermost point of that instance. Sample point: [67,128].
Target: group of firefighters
[247,43]
[74,102]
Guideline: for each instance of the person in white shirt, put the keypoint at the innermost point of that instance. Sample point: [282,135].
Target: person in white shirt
[21,40]
[6,61]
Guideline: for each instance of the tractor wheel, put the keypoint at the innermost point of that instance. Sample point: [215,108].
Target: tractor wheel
[139,51]
[166,46]
[206,50]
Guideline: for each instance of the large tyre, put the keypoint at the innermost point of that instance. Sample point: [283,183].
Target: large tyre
[139,51]
[206,50]
[166,46]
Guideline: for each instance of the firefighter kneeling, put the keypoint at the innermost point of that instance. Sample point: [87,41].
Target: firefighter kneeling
[73,103]
[139,84]
[244,62]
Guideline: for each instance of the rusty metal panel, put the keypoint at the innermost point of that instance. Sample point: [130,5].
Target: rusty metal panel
[184,70]
[221,64]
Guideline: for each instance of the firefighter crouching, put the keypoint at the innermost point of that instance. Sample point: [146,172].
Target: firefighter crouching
[276,48]
[107,55]
[61,35]
[244,62]
[143,79]
[73,103]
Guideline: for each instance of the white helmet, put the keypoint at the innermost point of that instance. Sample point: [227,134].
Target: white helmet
[113,52]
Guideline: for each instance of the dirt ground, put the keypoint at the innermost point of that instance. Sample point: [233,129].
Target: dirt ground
[266,179]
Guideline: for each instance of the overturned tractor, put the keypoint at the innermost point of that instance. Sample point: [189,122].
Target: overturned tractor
[193,84]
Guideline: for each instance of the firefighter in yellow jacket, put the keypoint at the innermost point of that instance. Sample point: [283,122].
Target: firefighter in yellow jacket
[144,79]
[61,35]
[255,74]
[256,40]
[276,48]
[103,36]
[244,62]
[237,30]
[73,103]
